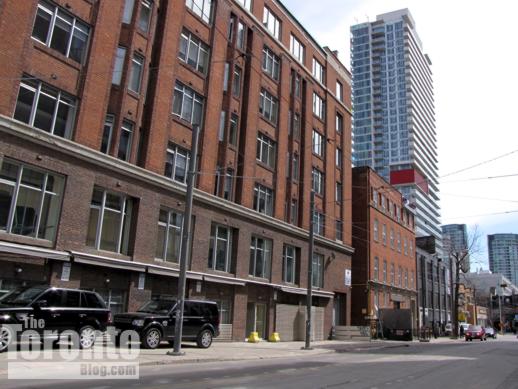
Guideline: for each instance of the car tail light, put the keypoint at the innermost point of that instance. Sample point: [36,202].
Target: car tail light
[110,318]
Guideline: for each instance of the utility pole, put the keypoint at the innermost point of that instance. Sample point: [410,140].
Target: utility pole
[309,298]
[186,244]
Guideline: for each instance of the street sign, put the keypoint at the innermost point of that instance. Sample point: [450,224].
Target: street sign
[347,277]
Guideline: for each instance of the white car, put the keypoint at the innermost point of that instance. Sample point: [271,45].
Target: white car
[448,329]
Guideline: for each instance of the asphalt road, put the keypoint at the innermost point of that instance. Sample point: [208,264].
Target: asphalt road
[484,365]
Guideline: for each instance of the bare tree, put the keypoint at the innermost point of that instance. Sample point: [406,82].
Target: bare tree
[459,254]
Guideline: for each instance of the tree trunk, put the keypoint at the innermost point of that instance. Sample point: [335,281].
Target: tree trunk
[456,299]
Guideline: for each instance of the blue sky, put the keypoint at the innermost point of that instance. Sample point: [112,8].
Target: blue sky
[472,47]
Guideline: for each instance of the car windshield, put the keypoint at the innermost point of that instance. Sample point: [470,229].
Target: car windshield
[22,296]
[162,307]
[474,328]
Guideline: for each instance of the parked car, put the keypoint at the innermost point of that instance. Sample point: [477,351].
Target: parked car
[490,332]
[57,309]
[448,329]
[155,322]
[475,332]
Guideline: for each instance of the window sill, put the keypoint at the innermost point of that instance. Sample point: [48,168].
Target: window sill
[170,264]
[14,238]
[192,70]
[55,54]
[179,120]
[111,254]
[260,279]
[135,95]
[265,166]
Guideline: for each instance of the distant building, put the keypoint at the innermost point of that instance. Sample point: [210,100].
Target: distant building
[503,255]
[455,239]
[394,120]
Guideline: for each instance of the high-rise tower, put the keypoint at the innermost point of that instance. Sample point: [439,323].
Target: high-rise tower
[394,119]
[503,255]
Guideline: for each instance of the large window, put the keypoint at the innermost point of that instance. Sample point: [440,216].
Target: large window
[126,136]
[194,52]
[318,223]
[260,257]
[339,91]
[128,11]
[61,31]
[271,63]
[272,23]
[236,82]
[297,49]
[30,200]
[220,248]
[384,234]
[177,163]
[385,271]
[392,274]
[45,107]
[107,134]
[317,265]
[376,268]
[318,181]
[233,129]
[338,158]
[339,230]
[263,199]
[338,194]
[265,150]
[318,143]
[110,221]
[376,230]
[246,3]
[202,8]
[169,237]
[118,66]
[339,124]
[318,70]
[318,106]
[268,106]
[146,8]
[187,104]
[289,264]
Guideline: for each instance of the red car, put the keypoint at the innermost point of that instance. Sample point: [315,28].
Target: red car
[475,332]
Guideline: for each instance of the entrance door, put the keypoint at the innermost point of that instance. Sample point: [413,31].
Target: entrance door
[340,309]
[256,319]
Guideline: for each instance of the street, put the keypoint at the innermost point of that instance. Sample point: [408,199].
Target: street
[491,364]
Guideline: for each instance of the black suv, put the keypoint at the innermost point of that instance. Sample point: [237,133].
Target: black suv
[45,309]
[155,322]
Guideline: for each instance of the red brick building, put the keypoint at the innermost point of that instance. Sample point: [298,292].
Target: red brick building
[384,263]
[98,100]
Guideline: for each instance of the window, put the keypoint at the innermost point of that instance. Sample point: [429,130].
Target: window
[318,106]
[317,265]
[297,49]
[339,123]
[400,276]
[246,4]
[296,80]
[107,134]
[384,234]
[240,41]
[30,200]
[339,91]
[137,64]
[232,136]
[295,172]
[411,247]
[289,264]
[338,192]
[222,122]
[318,143]
[339,158]
[268,106]
[412,279]
[376,268]
[61,31]
[271,63]
[318,70]
[392,274]
[45,107]
[263,199]
[398,242]
[339,228]
[385,271]
[296,126]
[272,23]
[187,104]
[169,237]
[265,150]
[231,26]
[226,77]
[318,181]
[318,223]
[118,66]
[146,8]
[177,163]
[193,52]
[376,234]
[405,246]
[228,188]
[260,257]
[406,278]
[109,224]
[225,310]
[125,140]
[128,11]
[220,248]
[236,82]
[392,238]
[202,8]
[294,212]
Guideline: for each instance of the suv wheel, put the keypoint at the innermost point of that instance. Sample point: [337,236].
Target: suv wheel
[204,339]
[152,338]
[87,336]
[6,337]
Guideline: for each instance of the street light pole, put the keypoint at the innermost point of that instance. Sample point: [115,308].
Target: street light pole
[309,298]
[186,244]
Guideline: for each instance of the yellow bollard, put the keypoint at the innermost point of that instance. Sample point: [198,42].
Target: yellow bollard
[275,337]
[253,337]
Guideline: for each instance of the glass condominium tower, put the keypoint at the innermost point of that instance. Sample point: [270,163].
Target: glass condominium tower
[394,118]
[503,255]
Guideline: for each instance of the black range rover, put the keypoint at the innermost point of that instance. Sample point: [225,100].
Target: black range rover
[46,309]
[155,321]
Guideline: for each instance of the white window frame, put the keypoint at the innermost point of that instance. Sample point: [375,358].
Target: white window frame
[271,63]
[318,143]
[318,71]
[318,106]
[109,122]
[215,240]
[201,8]
[196,99]
[339,123]
[338,158]
[175,151]
[263,194]
[118,65]
[376,230]
[137,71]
[126,128]
[268,106]
[297,49]
[272,23]
[319,223]
[289,255]
[246,4]
[260,250]
[317,264]
[191,46]
[376,268]
[318,181]
[265,150]
[384,234]
[147,5]
[339,91]
[171,226]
